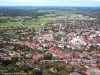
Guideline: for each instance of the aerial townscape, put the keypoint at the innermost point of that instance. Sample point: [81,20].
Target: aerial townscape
[49,41]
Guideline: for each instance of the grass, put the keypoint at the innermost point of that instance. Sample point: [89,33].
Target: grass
[93,73]
[38,23]
[10,24]
[3,70]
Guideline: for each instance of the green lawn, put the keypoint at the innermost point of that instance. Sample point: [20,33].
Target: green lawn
[93,73]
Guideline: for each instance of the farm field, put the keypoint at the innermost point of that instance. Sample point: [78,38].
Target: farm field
[37,21]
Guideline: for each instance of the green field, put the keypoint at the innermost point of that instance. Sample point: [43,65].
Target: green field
[58,13]
[40,21]
[12,24]
[33,23]
[61,14]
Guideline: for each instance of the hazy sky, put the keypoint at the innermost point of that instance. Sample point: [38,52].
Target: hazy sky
[49,2]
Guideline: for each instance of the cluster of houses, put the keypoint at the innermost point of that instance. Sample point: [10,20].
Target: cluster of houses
[74,41]
[77,42]
[75,57]
[82,41]
[35,56]
[4,56]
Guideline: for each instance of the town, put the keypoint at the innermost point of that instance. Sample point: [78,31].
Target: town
[68,45]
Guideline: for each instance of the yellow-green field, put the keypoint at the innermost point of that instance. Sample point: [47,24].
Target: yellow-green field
[39,22]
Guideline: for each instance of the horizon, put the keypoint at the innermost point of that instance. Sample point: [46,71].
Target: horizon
[54,6]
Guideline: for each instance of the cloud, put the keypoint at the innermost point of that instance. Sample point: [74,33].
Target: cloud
[66,1]
[51,2]
[86,0]
[22,0]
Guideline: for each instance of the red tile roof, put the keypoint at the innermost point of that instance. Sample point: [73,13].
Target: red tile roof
[32,44]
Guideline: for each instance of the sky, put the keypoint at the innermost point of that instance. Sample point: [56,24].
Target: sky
[93,3]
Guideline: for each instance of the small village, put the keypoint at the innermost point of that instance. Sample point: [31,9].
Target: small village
[72,41]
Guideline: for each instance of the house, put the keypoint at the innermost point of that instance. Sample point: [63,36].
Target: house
[53,69]
[56,52]
[45,37]
[32,45]
[20,63]
[12,53]
[37,56]
[6,58]
[28,55]
[3,56]
[60,54]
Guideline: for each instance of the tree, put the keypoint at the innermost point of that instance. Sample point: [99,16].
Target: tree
[76,67]
[11,68]
[22,72]
[61,67]
[44,72]
[7,62]
[30,73]
[84,69]
[48,56]
[37,72]
[58,37]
